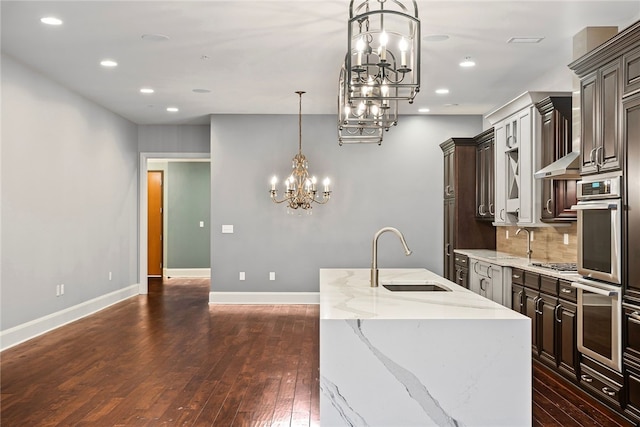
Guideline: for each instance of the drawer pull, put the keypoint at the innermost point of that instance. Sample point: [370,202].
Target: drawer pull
[635,315]
[586,378]
[565,291]
[516,276]
[608,391]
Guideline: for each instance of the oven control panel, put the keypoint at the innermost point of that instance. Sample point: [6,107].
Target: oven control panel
[599,188]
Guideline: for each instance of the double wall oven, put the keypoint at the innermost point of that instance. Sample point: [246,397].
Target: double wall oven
[600,212]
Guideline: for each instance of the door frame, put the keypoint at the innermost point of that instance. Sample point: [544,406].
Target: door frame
[143,287]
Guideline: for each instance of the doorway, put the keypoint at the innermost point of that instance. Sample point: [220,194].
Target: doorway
[155,211]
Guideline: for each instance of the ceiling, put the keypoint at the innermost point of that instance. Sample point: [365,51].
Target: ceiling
[253,55]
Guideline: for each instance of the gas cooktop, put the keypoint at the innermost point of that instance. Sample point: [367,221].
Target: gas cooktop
[561,267]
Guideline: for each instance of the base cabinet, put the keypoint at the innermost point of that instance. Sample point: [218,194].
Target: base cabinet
[602,382]
[486,279]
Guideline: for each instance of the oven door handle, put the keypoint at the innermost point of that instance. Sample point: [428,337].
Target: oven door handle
[599,291]
[587,206]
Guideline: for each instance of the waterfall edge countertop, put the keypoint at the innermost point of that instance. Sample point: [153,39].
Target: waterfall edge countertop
[419,358]
[347,294]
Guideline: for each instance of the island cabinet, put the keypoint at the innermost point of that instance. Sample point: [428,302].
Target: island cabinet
[485,200]
[461,230]
[517,128]
[558,195]
[607,74]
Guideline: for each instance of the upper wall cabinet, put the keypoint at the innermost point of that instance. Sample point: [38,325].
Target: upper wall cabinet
[607,75]
[517,129]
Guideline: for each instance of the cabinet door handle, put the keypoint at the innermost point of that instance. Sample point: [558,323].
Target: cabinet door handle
[459,275]
[591,160]
[492,212]
[448,249]
[555,313]
[608,391]
[482,288]
[536,303]
[481,210]
[635,315]
[502,214]
[600,149]
[520,294]
[547,207]
[447,190]
[586,378]
[489,270]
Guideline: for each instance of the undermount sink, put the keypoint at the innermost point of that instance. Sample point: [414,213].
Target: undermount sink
[415,287]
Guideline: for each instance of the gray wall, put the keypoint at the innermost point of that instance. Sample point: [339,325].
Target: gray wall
[173,138]
[397,184]
[69,197]
[188,203]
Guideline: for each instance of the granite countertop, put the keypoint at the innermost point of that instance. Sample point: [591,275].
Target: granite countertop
[507,260]
[347,294]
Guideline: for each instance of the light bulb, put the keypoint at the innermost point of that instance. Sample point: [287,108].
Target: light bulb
[274,180]
[384,39]
[384,89]
[403,45]
[360,45]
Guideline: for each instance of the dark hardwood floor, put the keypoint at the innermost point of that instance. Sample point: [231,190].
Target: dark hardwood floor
[170,359]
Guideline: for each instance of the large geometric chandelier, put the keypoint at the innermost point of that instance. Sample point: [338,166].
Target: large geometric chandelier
[363,120]
[383,58]
[301,189]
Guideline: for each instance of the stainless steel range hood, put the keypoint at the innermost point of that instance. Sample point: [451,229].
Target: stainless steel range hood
[567,167]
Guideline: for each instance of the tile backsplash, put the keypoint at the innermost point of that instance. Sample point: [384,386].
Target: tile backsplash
[548,243]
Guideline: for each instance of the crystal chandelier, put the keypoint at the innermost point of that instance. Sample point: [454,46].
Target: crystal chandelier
[301,189]
[363,121]
[383,58]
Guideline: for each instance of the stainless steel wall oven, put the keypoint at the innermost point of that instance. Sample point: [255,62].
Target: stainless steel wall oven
[600,227]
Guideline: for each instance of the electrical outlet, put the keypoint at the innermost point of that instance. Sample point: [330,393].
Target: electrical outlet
[57,290]
[62,289]
[242,275]
[272,275]
[110,276]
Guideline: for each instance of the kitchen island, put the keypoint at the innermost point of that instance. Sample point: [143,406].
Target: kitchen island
[445,358]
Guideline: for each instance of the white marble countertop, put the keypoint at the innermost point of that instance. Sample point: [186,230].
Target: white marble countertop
[347,294]
[507,260]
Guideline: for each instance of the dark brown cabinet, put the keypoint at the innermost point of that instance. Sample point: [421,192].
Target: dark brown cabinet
[568,360]
[600,142]
[462,270]
[485,187]
[558,195]
[631,358]
[461,230]
[631,137]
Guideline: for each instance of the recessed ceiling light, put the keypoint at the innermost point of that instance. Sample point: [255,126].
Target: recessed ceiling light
[442,91]
[525,39]
[451,105]
[146,90]
[201,90]
[155,37]
[172,109]
[435,38]
[468,62]
[108,63]
[51,20]
[423,110]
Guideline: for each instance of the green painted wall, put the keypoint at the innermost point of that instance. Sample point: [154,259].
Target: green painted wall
[188,203]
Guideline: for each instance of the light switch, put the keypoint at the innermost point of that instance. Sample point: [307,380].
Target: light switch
[272,275]
[227,229]
[201,224]
[242,275]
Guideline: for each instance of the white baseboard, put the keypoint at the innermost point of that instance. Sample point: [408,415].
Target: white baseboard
[186,272]
[26,331]
[264,298]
